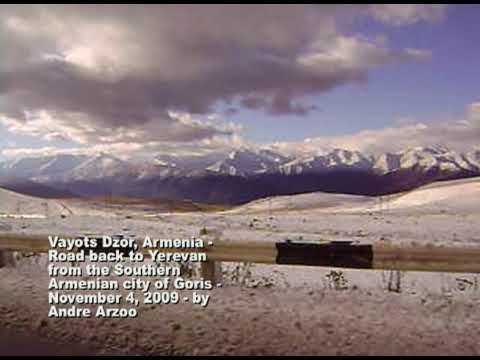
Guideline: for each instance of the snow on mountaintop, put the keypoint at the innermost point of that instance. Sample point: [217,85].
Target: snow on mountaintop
[245,162]
[163,163]
[388,162]
[99,166]
[273,156]
[426,158]
[336,159]
[473,158]
[240,162]
[61,163]
[30,167]
[345,157]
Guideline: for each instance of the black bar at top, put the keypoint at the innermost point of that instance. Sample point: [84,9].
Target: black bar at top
[332,254]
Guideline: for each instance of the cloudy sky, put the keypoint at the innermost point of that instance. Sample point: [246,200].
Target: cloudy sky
[146,79]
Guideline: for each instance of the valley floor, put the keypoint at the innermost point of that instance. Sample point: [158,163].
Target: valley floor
[277,309]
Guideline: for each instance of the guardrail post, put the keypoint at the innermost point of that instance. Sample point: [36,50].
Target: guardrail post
[7,258]
[210,269]
[2,259]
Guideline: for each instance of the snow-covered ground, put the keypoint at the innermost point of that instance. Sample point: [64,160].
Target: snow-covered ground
[431,314]
[18,205]
[439,214]
[266,321]
[453,196]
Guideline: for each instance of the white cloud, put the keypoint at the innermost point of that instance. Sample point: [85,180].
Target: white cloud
[82,129]
[406,14]
[115,73]
[474,110]
[460,134]
[143,79]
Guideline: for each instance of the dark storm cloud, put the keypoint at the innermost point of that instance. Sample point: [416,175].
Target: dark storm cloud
[128,67]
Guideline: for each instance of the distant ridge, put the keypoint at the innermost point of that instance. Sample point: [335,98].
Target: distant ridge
[32,188]
[238,176]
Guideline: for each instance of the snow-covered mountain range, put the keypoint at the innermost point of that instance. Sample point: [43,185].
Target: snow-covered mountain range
[353,172]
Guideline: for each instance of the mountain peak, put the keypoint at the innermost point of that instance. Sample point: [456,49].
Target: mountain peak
[242,161]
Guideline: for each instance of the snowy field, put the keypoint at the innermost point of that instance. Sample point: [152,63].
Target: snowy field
[379,312]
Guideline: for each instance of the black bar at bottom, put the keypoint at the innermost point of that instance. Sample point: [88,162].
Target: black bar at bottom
[334,254]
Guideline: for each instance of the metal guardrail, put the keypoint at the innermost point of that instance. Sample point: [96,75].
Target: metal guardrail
[338,254]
